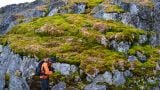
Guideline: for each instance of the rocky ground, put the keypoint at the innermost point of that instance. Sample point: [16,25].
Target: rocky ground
[100,45]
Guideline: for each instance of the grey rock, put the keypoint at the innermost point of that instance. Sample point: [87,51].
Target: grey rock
[128,73]
[108,77]
[53,11]
[89,78]
[99,14]
[10,63]
[120,46]
[141,56]
[153,40]
[2,78]
[110,16]
[63,68]
[117,2]
[133,9]
[74,68]
[143,39]
[59,86]
[97,9]
[79,8]
[132,58]
[94,86]
[81,72]
[104,41]
[118,78]
[123,47]
[17,83]
[99,78]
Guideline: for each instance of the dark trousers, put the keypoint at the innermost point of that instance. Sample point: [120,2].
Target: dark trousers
[45,84]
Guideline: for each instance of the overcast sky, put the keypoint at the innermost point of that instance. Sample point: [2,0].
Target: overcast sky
[8,2]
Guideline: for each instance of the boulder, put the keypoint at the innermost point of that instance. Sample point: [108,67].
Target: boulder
[53,11]
[94,86]
[79,8]
[134,9]
[99,78]
[108,77]
[65,69]
[59,86]
[18,83]
[118,78]
[110,16]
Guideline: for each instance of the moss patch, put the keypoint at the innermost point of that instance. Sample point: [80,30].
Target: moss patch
[74,39]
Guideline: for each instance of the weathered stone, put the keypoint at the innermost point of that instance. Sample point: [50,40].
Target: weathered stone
[79,8]
[143,39]
[118,78]
[153,40]
[141,56]
[110,16]
[93,86]
[128,73]
[133,9]
[2,78]
[104,41]
[99,78]
[108,77]
[132,58]
[53,11]
[59,86]
[17,83]
[73,69]
[123,47]
[120,46]
[62,68]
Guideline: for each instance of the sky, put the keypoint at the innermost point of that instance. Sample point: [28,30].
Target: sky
[8,2]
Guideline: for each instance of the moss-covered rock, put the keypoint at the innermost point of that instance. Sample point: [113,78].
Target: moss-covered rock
[75,39]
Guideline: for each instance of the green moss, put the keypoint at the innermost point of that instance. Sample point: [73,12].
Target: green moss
[90,3]
[7,77]
[113,9]
[148,50]
[152,58]
[72,38]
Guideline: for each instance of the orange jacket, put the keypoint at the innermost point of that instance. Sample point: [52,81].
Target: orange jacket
[46,71]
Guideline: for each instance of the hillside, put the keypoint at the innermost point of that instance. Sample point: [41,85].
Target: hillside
[109,44]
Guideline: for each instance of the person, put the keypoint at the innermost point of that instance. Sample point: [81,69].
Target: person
[46,70]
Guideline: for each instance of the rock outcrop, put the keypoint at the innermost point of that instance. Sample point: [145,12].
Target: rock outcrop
[19,69]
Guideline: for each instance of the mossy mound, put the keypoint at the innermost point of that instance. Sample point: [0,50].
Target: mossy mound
[90,3]
[73,39]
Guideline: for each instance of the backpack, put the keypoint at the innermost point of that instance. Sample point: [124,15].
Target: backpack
[38,69]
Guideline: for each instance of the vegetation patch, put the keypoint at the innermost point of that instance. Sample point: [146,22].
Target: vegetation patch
[74,39]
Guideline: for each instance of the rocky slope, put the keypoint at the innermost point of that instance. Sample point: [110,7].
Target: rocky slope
[109,44]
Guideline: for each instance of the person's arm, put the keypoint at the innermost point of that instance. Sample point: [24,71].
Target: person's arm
[46,69]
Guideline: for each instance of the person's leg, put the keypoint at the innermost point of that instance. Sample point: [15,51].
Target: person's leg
[42,84]
[45,84]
